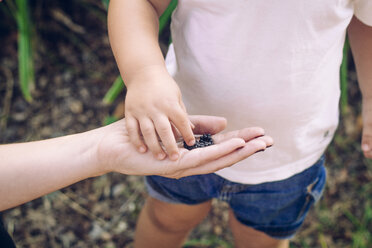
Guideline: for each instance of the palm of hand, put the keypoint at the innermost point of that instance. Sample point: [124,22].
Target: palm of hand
[118,154]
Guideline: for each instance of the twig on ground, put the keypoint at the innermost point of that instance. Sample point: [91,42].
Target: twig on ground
[65,20]
[78,208]
[122,210]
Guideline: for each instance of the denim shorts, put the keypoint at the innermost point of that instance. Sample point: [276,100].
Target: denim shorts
[276,208]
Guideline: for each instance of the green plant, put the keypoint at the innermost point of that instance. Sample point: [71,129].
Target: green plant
[105,3]
[361,237]
[165,17]
[19,9]
[118,85]
[116,88]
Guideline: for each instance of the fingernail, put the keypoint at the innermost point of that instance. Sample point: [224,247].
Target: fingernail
[141,149]
[191,142]
[160,156]
[174,156]
[365,147]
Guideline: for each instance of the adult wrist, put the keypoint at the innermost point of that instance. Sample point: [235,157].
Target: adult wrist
[89,149]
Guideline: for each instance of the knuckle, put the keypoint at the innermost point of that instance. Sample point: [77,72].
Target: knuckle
[154,147]
[163,129]
[184,122]
[131,129]
[178,112]
[147,130]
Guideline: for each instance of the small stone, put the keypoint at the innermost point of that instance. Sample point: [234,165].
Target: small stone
[118,189]
[46,132]
[76,107]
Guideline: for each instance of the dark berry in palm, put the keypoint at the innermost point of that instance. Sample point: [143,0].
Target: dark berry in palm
[203,141]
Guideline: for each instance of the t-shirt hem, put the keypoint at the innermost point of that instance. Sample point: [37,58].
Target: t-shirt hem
[366,20]
[362,10]
[280,173]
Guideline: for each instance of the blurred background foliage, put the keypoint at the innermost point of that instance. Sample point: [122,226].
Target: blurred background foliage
[58,76]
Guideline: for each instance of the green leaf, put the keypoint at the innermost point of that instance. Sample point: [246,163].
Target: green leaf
[166,16]
[109,120]
[116,88]
[106,3]
[25,57]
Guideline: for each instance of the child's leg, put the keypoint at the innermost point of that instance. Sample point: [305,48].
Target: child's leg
[247,237]
[267,215]
[165,225]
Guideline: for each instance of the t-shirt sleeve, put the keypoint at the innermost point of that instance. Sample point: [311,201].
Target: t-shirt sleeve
[363,10]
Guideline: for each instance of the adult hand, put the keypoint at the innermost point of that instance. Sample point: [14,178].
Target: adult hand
[117,153]
[49,165]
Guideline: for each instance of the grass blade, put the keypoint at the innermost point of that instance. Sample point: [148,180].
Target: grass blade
[116,88]
[106,3]
[25,58]
[165,17]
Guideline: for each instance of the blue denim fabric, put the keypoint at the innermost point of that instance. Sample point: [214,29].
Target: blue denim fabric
[275,208]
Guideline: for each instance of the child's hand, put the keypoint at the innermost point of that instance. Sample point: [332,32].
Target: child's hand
[367,128]
[153,105]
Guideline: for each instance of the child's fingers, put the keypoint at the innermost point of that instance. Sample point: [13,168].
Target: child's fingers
[183,106]
[184,109]
[366,146]
[246,134]
[133,130]
[151,138]
[164,130]
[181,121]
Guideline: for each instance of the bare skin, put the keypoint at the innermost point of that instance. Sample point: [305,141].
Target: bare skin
[146,77]
[48,165]
[360,37]
[153,102]
[144,70]
[161,225]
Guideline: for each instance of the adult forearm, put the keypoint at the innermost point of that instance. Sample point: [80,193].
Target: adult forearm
[133,30]
[360,37]
[30,170]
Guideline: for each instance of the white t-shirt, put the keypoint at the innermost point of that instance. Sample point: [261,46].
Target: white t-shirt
[273,64]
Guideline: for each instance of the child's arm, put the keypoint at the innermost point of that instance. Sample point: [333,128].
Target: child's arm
[153,102]
[360,36]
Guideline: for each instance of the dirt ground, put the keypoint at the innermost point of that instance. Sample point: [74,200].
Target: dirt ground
[74,69]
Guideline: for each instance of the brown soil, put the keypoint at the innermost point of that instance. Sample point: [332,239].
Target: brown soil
[74,69]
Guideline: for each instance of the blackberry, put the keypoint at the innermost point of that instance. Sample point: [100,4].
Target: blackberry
[203,141]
